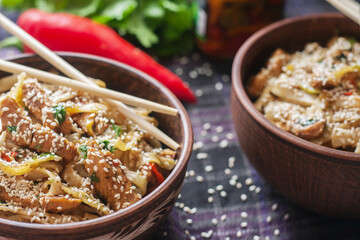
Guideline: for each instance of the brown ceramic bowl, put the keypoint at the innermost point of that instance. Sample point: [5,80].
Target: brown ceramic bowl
[322,179]
[142,219]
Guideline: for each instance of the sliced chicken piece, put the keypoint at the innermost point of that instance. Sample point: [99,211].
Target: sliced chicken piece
[38,103]
[85,121]
[15,120]
[309,131]
[277,60]
[46,140]
[109,179]
[274,67]
[55,204]
[258,83]
[59,204]
[101,124]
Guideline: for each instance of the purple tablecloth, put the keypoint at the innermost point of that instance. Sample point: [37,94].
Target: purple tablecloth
[223,197]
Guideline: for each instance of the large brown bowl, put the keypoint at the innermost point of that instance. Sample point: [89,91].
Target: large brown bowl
[322,179]
[142,219]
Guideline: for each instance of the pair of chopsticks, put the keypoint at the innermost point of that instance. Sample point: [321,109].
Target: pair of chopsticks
[349,8]
[85,83]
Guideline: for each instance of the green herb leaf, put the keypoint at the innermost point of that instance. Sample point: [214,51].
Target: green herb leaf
[116,128]
[46,155]
[83,8]
[59,113]
[12,42]
[107,145]
[306,122]
[94,178]
[51,5]
[154,10]
[352,40]
[38,146]
[84,149]
[119,9]
[136,25]
[11,128]
[11,3]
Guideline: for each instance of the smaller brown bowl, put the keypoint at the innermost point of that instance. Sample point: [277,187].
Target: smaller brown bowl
[322,179]
[142,219]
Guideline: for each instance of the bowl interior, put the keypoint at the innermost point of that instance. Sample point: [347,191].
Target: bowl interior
[128,80]
[290,35]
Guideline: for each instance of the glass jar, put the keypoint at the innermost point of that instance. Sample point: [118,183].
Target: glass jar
[223,25]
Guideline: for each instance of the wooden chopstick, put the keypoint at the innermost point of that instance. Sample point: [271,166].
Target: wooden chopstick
[72,72]
[349,8]
[99,92]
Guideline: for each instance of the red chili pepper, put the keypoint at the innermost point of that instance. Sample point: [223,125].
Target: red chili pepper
[348,93]
[6,157]
[67,32]
[14,154]
[158,175]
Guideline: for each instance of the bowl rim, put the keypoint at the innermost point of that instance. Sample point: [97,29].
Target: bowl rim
[183,159]
[334,155]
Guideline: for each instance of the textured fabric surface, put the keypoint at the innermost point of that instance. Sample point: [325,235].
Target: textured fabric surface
[223,197]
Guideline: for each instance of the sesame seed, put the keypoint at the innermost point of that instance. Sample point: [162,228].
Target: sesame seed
[224,143]
[223,218]
[219,86]
[274,206]
[223,194]
[201,156]
[189,221]
[227,171]
[232,182]
[256,237]
[186,209]
[206,126]
[244,224]
[238,185]
[95,168]
[219,129]
[211,191]
[210,199]
[238,234]
[252,188]
[249,181]
[215,138]
[191,173]
[199,178]
[229,136]
[286,216]
[219,187]
[199,92]
[276,232]
[193,210]
[214,221]
[268,219]
[207,234]
[243,197]
[208,168]
[244,214]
